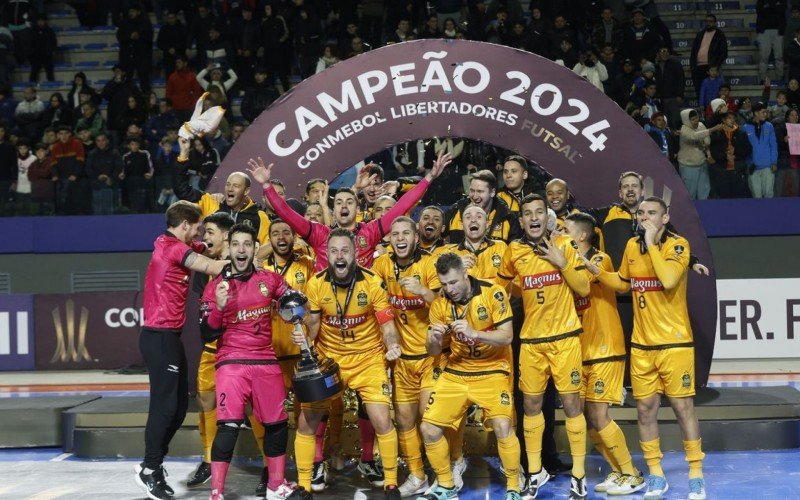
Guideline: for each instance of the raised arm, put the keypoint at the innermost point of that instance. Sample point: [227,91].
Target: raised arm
[261,173]
[202,264]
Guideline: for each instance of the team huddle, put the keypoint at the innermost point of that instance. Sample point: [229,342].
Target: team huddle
[480,306]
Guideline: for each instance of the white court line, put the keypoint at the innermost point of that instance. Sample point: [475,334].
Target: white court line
[61,457]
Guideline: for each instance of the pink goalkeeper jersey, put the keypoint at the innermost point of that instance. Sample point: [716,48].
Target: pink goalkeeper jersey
[166,284]
[247,318]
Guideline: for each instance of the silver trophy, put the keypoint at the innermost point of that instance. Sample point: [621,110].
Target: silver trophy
[315,378]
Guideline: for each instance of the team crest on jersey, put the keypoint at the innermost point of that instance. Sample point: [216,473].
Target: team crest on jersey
[504,399]
[299,277]
[362,241]
[574,245]
[483,315]
[362,298]
[263,288]
[575,377]
[496,260]
[597,259]
[385,389]
[599,387]
[498,296]
[686,380]
[436,373]
[679,249]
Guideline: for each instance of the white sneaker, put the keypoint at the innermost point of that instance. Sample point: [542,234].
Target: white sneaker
[414,486]
[627,485]
[577,488]
[656,487]
[319,477]
[610,480]
[283,491]
[535,483]
[697,489]
[459,467]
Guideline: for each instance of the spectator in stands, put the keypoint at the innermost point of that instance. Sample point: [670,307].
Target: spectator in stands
[85,136]
[203,160]
[792,50]
[8,106]
[307,41]
[764,158]
[777,111]
[40,175]
[744,111]
[559,32]
[709,89]
[607,30]
[216,82]
[328,58]
[663,136]
[91,119]
[133,113]
[49,137]
[78,85]
[103,168]
[517,38]
[43,49]
[730,150]
[199,29]
[22,186]
[725,94]
[57,114]
[6,54]
[171,40]
[183,89]
[715,112]
[156,127]
[277,51]
[258,96]
[624,83]
[591,69]
[788,164]
[164,165]
[116,92]
[402,33]
[8,171]
[137,172]
[246,42]
[770,26]
[477,20]
[372,15]
[566,53]
[692,155]
[641,41]
[357,47]
[69,174]
[135,37]
[647,102]
[499,28]
[793,93]
[29,112]
[431,28]
[671,85]
[710,48]
[216,50]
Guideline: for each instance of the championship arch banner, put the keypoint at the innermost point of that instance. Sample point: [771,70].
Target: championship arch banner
[464,89]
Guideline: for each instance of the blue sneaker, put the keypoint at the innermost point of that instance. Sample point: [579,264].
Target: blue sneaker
[512,495]
[656,487]
[697,489]
[440,493]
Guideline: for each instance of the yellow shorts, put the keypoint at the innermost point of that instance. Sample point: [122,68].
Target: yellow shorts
[365,373]
[206,372]
[602,382]
[559,359]
[412,376]
[287,367]
[452,395]
[662,371]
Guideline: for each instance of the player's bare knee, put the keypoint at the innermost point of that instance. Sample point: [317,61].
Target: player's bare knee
[572,404]
[308,421]
[406,416]
[430,433]
[532,404]
[502,427]
[381,422]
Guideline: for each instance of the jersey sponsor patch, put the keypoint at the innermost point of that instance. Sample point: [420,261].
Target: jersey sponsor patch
[542,280]
[406,303]
[646,284]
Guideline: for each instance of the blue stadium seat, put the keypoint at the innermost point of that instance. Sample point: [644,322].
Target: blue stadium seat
[87,64]
[53,85]
[69,46]
[95,46]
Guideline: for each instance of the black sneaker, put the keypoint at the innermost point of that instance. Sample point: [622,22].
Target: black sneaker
[201,475]
[372,471]
[153,484]
[392,493]
[319,477]
[161,476]
[261,489]
[300,493]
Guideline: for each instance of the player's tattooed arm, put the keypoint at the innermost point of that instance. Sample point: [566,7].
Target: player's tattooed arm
[202,264]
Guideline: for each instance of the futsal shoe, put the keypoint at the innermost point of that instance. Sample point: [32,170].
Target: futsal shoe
[300,493]
[459,467]
[512,495]
[282,492]
[201,475]
[577,488]
[261,489]
[697,489]
[216,495]
[656,487]
[372,471]
[627,485]
[440,493]
[535,483]
[610,480]
[319,477]
[414,486]
[163,474]
[153,484]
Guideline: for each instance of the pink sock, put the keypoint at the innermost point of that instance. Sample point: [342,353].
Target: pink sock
[367,433]
[320,435]
[218,472]
[276,467]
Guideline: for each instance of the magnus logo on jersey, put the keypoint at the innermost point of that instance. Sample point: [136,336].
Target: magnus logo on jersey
[542,280]
[646,284]
[348,322]
[252,314]
[581,303]
[406,303]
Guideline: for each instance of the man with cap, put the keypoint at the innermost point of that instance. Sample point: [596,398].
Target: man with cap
[715,111]
[764,158]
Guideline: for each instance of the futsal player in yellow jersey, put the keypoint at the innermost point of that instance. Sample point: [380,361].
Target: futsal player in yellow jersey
[547,270]
[412,284]
[350,321]
[481,255]
[430,228]
[475,316]
[603,351]
[654,268]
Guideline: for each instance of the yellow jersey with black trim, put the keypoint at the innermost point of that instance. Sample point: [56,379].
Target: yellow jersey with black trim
[410,310]
[488,257]
[249,215]
[435,249]
[511,200]
[602,336]
[297,272]
[660,316]
[351,327]
[488,308]
[547,298]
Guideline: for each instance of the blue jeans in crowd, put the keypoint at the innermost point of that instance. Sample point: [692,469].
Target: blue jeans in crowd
[695,177]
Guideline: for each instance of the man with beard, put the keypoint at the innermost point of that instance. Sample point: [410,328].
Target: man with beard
[411,282]
[603,351]
[481,254]
[503,223]
[370,186]
[430,228]
[236,312]
[654,269]
[382,206]
[547,270]
[345,208]
[350,321]
[515,173]
[473,318]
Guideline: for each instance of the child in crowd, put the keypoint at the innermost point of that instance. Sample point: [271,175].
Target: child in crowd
[710,88]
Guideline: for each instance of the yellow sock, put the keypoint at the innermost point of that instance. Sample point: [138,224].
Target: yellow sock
[576,433]
[387,445]
[304,457]
[411,450]
[208,421]
[258,434]
[652,456]
[508,449]
[439,457]
[614,441]
[594,437]
[455,440]
[534,429]
[695,456]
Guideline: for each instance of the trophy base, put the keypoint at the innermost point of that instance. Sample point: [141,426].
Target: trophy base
[321,383]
